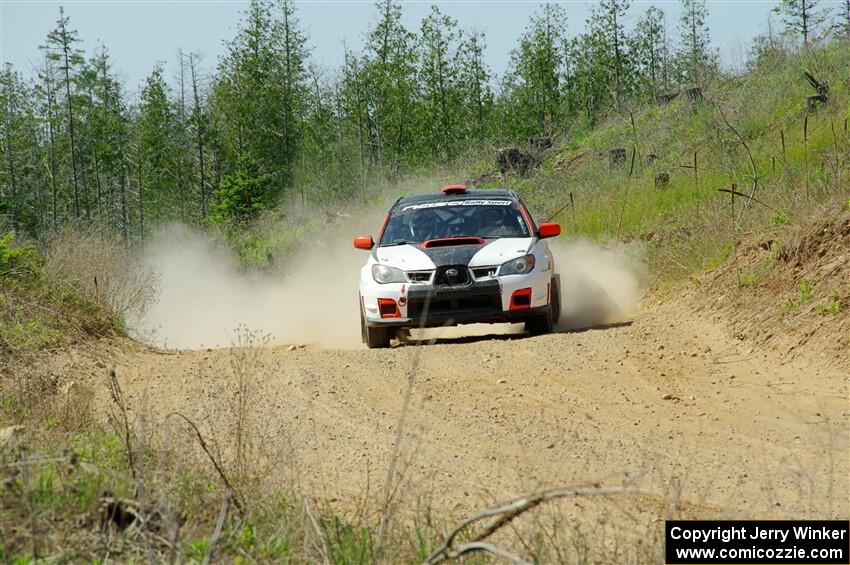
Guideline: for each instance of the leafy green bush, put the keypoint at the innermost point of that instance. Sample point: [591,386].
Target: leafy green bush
[19,263]
[37,311]
[243,195]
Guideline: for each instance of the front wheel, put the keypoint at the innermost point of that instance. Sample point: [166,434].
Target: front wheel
[541,324]
[556,299]
[545,323]
[374,338]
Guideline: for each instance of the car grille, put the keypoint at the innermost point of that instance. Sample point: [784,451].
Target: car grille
[480,304]
[452,275]
[419,276]
[484,272]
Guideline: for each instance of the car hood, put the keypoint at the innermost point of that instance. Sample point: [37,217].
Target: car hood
[415,258]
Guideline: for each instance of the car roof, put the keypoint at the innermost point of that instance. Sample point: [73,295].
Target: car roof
[470,193]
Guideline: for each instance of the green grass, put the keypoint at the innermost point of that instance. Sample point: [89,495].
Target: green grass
[761,106]
[804,291]
[748,279]
[832,307]
[37,312]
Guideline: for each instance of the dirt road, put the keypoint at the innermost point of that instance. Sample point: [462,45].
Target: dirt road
[704,418]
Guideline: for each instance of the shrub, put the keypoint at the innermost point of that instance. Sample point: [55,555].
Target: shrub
[19,263]
[100,268]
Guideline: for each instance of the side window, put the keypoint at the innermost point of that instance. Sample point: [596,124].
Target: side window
[527,217]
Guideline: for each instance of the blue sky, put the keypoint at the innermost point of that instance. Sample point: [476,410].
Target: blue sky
[140,33]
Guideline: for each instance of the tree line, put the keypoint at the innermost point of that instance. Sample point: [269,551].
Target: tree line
[268,124]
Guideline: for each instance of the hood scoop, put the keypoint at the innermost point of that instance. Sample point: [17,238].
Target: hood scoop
[452,242]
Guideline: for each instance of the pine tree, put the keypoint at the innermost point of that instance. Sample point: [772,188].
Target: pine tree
[649,49]
[474,80]
[842,28]
[21,179]
[534,79]
[10,100]
[586,93]
[157,152]
[607,27]
[352,99]
[696,60]
[262,81]
[801,16]
[390,73]
[45,90]
[293,79]
[438,78]
[60,47]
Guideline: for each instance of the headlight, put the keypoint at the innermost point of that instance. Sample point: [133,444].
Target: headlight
[519,266]
[384,274]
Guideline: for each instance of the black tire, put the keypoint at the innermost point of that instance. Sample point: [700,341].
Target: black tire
[545,323]
[556,299]
[541,324]
[374,338]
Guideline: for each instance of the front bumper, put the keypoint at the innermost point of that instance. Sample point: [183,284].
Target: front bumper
[482,301]
[457,318]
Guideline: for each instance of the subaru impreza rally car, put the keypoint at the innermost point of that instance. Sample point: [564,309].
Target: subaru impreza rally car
[457,257]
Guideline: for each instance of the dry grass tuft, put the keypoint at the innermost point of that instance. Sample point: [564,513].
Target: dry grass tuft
[99,266]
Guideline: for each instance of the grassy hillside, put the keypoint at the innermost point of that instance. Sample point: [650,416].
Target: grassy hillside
[688,224]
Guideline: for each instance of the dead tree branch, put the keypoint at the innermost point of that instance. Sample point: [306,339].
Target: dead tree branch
[821,88]
[487,548]
[118,399]
[757,201]
[219,469]
[754,176]
[505,514]
[219,528]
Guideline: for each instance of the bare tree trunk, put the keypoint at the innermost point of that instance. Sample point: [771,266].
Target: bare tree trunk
[125,212]
[287,94]
[200,136]
[182,108]
[141,195]
[694,46]
[48,87]
[479,103]
[443,105]
[35,156]
[97,209]
[360,125]
[67,69]
[805,15]
[617,63]
[10,159]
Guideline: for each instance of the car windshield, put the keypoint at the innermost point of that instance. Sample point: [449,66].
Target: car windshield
[484,218]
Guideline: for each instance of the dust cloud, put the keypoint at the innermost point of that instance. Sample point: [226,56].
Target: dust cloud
[599,285]
[311,298]
[205,296]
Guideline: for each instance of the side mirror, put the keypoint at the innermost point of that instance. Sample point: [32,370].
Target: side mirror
[364,242]
[549,230]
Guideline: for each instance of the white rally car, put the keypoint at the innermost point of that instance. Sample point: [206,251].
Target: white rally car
[457,257]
